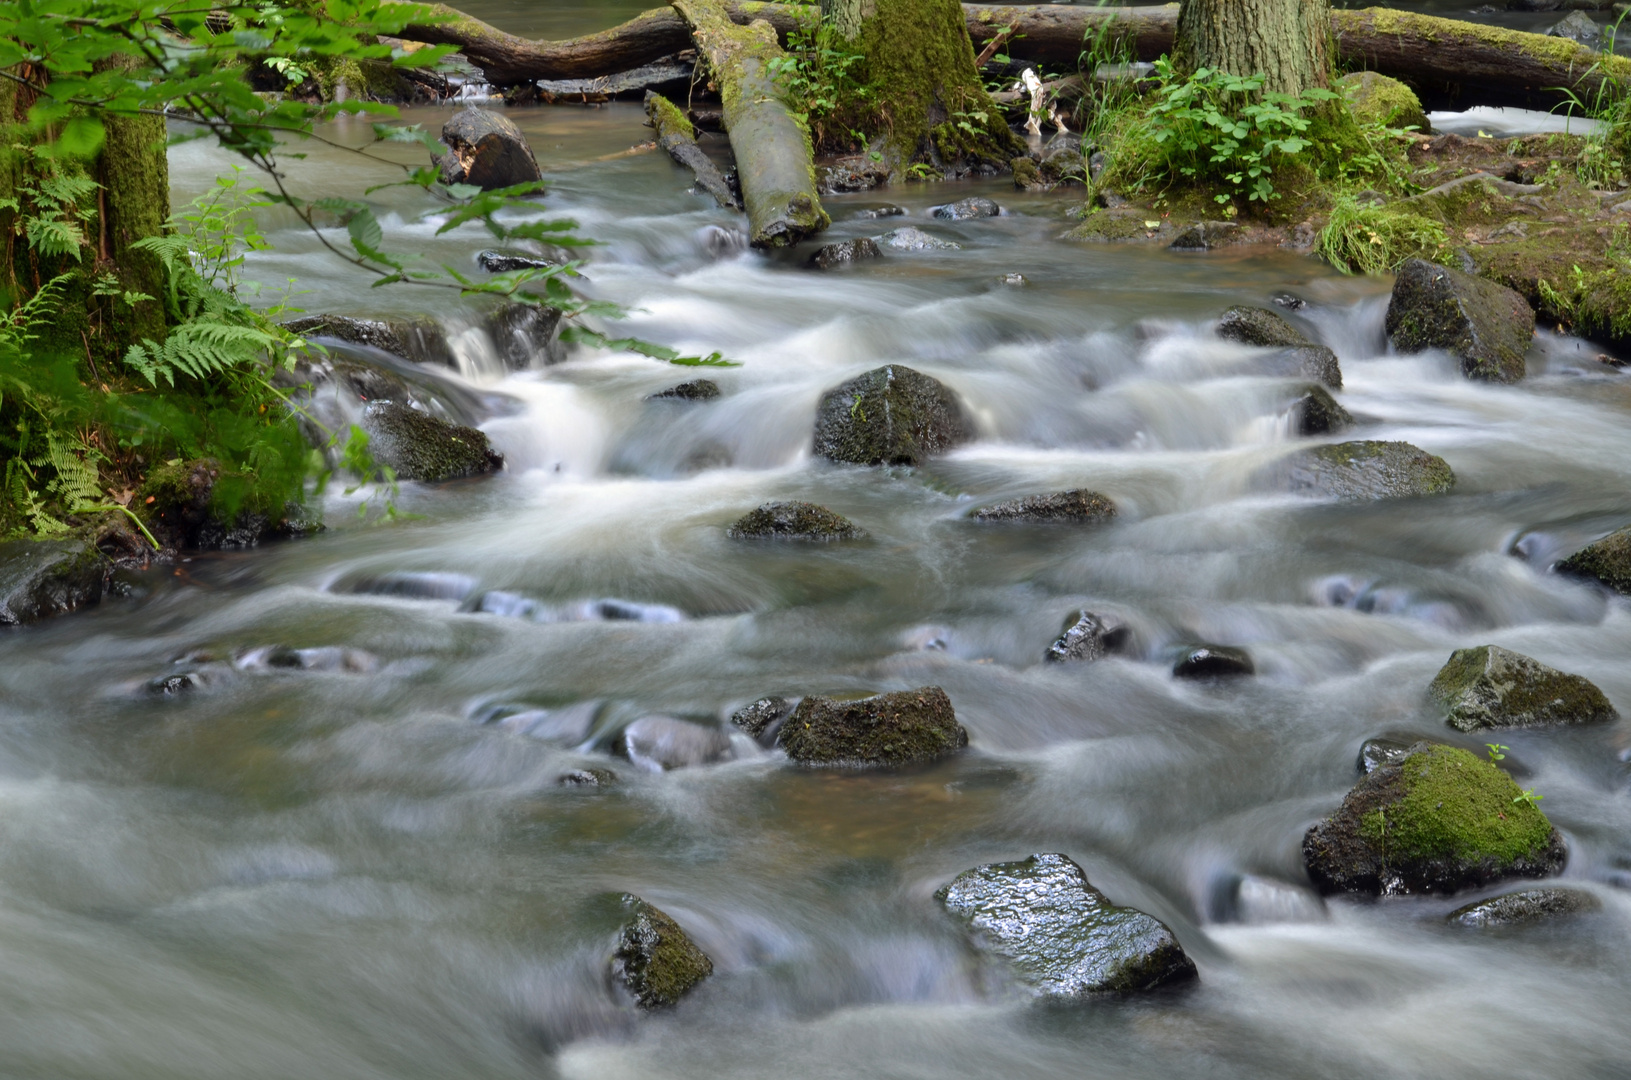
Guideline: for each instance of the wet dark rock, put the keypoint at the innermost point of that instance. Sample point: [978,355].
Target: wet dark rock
[889,416]
[1607,560]
[661,743]
[504,262]
[1260,327]
[1077,506]
[587,778]
[1058,934]
[1576,26]
[184,682]
[1317,413]
[655,960]
[966,209]
[178,501]
[568,725]
[485,149]
[695,390]
[1289,302]
[1486,326]
[874,212]
[793,521]
[422,447]
[42,578]
[1086,636]
[1491,687]
[1213,662]
[523,332]
[420,340]
[1364,470]
[845,253]
[1527,906]
[1439,821]
[853,174]
[1204,236]
[901,728]
[911,238]
[1375,753]
[1309,362]
[762,719]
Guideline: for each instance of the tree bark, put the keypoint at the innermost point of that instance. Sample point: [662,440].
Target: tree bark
[1282,40]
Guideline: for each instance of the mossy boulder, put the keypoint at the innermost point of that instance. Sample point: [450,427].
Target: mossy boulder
[485,149]
[1316,412]
[1439,821]
[1486,326]
[1524,906]
[1491,687]
[1364,470]
[793,521]
[42,578]
[655,960]
[1608,560]
[902,728]
[1087,636]
[419,446]
[1377,99]
[1073,507]
[1058,935]
[890,416]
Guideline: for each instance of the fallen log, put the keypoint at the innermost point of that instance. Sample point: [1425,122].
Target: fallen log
[676,135]
[773,158]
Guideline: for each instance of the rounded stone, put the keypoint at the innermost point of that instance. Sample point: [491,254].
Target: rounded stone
[900,728]
[793,521]
[890,415]
[1074,507]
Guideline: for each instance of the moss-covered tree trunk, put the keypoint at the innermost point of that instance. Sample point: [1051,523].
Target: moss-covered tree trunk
[924,94]
[1285,41]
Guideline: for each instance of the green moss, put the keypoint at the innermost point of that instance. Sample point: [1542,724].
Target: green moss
[1492,687]
[902,728]
[1430,30]
[1367,239]
[1106,225]
[1381,101]
[656,959]
[1458,806]
[667,118]
[1608,561]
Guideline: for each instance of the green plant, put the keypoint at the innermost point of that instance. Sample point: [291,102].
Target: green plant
[1495,749]
[818,74]
[1601,162]
[1362,238]
[1528,796]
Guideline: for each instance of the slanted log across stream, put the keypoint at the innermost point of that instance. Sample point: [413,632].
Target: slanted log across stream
[676,135]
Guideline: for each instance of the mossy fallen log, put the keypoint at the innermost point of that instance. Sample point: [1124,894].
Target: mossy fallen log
[676,136]
[774,161]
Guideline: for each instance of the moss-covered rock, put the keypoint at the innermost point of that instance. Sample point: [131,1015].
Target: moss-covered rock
[1491,687]
[1259,326]
[182,505]
[793,521]
[419,446]
[1086,636]
[1486,326]
[485,149]
[1059,936]
[655,960]
[901,728]
[889,416]
[845,253]
[1525,906]
[1367,469]
[1377,99]
[42,578]
[1075,507]
[762,719]
[1439,821]
[1316,412]
[1607,560]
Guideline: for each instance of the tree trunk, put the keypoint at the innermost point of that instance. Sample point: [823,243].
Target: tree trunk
[1285,41]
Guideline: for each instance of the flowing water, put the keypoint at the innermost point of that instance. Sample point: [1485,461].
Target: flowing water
[362,866]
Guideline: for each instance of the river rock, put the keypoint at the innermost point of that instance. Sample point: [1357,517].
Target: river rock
[793,521]
[695,390]
[762,719]
[587,778]
[963,210]
[901,728]
[889,416]
[487,150]
[846,253]
[1087,637]
[1576,26]
[1364,470]
[655,960]
[1375,753]
[505,262]
[1213,662]
[179,503]
[1204,235]
[1608,560]
[1439,821]
[1260,327]
[1526,906]
[911,238]
[660,743]
[874,212]
[422,447]
[1058,934]
[1491,687]
[523,332]
[1317,413]
[1377,99]
[420,340]
[1075,507]
[42,578]
[1307,362]
[1486,326]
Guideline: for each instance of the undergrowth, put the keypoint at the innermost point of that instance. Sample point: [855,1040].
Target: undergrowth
[1363,238]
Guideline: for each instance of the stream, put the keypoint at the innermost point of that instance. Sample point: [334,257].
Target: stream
[366,868]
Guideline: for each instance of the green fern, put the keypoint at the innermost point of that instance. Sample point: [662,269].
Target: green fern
[198,349]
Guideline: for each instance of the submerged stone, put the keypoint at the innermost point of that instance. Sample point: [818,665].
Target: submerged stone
[889,416]
[42,578]
[1527,906]
[1318,413]
[660,743]
[762,719]
[1491,687]
[845,253]
[1077,506]
[1260,327]
[1213,662]
[587,778]
[423,447]
[1486,326]
[522,333]
[1439,821]
[485,149]
[974,207]
[1364,470]
[793,521]
[1086,637]
[911,238]
[656,960]
[1058,934]
[695,390]
[1607,560]
[900,728]
[1375,753]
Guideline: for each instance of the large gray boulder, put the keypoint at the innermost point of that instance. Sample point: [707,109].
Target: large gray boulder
[487,150]
[1491,687]
[1058,934]
[1486,326]
[902,728]
[890,416]
[793,521]
[42,578]
[1363,470]
[1607,560]
[655,960]
[419,446]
